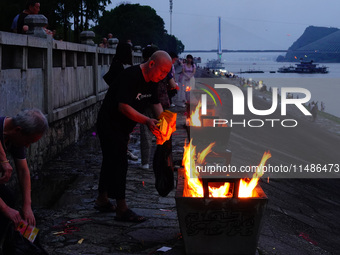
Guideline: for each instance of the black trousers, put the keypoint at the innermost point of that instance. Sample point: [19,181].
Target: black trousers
[7,195]
[171,94]
[114,145]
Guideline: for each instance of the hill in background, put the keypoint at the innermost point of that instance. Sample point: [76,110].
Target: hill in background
[321,44]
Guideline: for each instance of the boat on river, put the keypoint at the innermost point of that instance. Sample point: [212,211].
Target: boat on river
[304,67]
[252,71]
[215,64]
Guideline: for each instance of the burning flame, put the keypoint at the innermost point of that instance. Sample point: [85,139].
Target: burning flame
[195,120]
[246,187]
[193,185]
[222,191]
[204,153]
[187,89]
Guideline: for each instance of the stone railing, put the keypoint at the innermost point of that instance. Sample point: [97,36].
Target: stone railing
[62,79]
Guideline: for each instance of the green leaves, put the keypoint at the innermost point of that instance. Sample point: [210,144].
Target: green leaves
[140,24]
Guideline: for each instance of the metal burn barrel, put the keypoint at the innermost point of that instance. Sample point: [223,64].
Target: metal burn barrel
[215,225]
[220,225]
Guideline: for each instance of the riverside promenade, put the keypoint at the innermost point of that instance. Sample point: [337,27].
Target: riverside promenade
[302,215]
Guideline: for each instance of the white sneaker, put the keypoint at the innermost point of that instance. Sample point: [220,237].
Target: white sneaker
[131,156]
[144,167]
[172,105]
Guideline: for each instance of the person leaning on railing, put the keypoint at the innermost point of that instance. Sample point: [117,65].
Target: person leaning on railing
[32,7]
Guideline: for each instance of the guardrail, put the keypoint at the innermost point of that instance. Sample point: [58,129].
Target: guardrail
[60,78]
[63,79]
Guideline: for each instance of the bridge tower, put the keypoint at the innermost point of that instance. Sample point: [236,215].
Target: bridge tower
[219,42]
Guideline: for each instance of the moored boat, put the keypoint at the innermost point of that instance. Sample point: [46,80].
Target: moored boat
[215,64]
[252,71]
[304,67]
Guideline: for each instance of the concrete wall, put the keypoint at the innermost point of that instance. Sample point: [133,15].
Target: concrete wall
[62,79]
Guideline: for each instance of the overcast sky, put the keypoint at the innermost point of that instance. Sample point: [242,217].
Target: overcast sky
[246,24]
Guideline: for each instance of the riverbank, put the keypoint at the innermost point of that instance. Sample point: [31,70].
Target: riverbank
[325,90]
[324,119]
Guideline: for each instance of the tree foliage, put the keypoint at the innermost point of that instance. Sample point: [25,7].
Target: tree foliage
[8,11]
[60,13]
[76,12]
[137,23]
[171,43]
[141,24]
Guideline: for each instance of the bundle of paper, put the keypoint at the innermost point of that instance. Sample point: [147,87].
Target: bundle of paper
[28,231]
[167,125]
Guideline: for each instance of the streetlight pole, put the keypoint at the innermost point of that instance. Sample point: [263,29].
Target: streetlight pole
[170,17]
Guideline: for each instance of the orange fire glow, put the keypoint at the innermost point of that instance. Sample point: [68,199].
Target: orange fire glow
[195,120]
[187,89]
[246,187]
[193,185]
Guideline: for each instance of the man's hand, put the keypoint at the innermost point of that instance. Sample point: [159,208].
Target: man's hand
[6,170]
[28,216]
[13,215]
[25,184]
[25,28]
[152,125]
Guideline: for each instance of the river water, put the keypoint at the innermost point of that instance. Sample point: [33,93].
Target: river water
[323,87]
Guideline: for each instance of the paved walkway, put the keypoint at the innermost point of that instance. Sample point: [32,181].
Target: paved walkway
[74,177]
[302,216]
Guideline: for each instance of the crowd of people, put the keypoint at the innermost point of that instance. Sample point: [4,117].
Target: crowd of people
[136,94]
[105,41]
